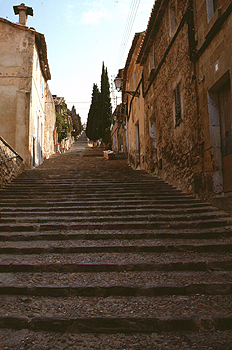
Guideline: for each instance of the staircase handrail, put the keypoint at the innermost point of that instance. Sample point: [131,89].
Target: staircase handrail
[7,145]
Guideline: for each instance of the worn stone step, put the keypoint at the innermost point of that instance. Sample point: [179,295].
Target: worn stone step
[111,250]
[107,202]
[28,339]
[118,290]
[47,185]
[108,217]
[102,205]
[131,234]
[118,325]
[69,211]
[65,267]
[114,257]
[120,306]
[116,278]
[112,224]
[74,247]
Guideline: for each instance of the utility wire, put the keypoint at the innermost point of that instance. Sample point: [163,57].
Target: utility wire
[127,31]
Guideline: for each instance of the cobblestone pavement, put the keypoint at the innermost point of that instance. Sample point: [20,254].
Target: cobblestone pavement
[95,255]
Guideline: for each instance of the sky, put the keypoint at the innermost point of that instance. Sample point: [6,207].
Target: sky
[80,36]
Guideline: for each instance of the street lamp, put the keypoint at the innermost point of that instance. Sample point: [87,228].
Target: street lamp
[118,84]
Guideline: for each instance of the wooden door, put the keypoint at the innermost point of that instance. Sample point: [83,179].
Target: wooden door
[225,110]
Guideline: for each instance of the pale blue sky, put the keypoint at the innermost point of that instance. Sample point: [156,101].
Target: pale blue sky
[80,35]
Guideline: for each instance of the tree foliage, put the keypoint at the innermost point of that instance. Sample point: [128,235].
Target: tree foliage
[100,113]
[93,115]
[76,122]
[62,126]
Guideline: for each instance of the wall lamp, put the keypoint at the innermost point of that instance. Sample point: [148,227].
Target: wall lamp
[118,84]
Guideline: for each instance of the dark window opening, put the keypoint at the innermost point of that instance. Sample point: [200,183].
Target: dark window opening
[178,117]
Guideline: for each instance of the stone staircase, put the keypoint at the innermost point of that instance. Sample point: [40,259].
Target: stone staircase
[95,255]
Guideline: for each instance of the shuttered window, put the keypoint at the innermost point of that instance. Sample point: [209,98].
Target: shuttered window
[177,105]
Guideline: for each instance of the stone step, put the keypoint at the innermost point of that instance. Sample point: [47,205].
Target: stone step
[90,246]
[52,264]
[116,210]
[116,306]
[47,201]
[140,279]
[118,290]
[47,184]
[114,249]
[117,225]
[75,247]
[104,197]
[102,205]
[29,339]
[108,217]
[138,234]
[115,325]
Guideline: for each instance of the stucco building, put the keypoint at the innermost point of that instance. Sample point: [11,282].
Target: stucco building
[27,114]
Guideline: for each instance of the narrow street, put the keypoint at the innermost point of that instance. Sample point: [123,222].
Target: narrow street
[96,255]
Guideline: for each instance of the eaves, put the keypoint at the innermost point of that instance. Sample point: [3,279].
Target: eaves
[157,13]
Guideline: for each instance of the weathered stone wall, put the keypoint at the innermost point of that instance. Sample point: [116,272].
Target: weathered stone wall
[49,125]
[9,168]
[135,124]
[175,150]
[16,53]
[213,69]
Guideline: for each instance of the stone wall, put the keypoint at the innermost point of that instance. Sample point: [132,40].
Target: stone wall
[175,148]
[9,167]
[213,70]
[49,125]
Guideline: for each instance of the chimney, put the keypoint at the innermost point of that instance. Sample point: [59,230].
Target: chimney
[23,11]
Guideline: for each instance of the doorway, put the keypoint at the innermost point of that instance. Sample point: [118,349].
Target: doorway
[137,145]
[225,112]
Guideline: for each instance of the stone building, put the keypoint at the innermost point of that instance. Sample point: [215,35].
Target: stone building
[134,104]
[172,130]
[212,59]
[27,114]
[183,72]
[119,129]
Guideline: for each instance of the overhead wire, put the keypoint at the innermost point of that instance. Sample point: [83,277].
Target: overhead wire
[127,31]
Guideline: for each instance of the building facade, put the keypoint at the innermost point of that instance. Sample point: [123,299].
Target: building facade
[27,115]
[213,61]
[182,133]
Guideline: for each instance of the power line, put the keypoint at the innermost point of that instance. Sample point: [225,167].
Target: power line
[127,31]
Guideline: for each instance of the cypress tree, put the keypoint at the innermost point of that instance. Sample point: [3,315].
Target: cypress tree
[100,112]
[92,129]
[105,107]
[76,121]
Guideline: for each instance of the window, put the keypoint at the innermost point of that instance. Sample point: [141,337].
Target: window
[152,58]
[211,6]
[177,105]
[135,83]
[172,14]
